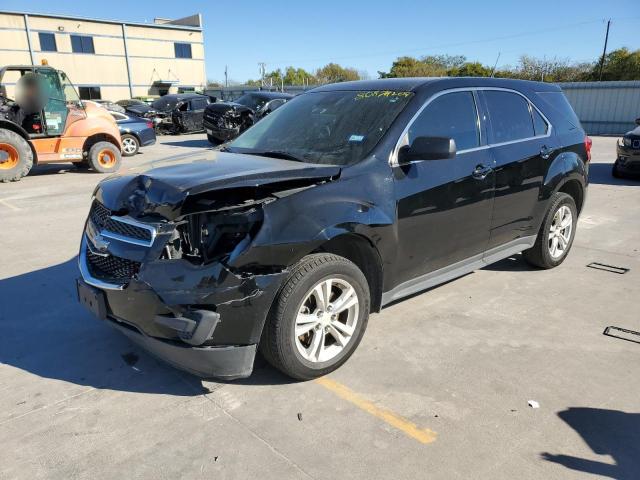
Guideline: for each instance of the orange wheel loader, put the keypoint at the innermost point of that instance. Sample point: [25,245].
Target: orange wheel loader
[48,123]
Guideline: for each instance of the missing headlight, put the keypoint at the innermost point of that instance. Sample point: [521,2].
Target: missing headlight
[212,236]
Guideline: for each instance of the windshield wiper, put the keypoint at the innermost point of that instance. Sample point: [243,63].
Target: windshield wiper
[277,154]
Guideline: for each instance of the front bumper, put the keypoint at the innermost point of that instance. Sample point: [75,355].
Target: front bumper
[203,319]
[628,160]
[225,362]
[222,134]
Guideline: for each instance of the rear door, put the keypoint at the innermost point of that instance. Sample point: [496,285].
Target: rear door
[444,206]
[522,148]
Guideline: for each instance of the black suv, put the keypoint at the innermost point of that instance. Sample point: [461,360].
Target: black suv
[347,198]
[628,154]
[224,121]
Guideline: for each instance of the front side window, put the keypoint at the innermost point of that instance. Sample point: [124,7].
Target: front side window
[82,44]
[510,116]
[452,115]
[198,103]
[182,50]
[334,127]
[90,93]
[47,42]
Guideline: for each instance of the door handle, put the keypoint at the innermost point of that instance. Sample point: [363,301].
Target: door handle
[545,152]
[481,172]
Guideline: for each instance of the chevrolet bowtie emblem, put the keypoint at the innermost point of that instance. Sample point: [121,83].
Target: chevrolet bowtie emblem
[97,243]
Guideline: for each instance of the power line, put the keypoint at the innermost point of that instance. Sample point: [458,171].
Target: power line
[447,45]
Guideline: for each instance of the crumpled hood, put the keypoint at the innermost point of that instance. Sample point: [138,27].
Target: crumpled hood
[163,190]
[220,108]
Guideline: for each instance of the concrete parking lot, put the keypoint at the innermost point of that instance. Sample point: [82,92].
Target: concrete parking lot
[438,388]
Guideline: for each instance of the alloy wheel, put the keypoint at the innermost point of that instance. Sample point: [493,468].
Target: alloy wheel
[326,320]
[560,232]
[129,146]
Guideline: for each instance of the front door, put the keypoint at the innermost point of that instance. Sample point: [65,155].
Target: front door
[444,206]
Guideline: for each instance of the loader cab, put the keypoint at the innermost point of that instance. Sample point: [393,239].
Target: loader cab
[60,103]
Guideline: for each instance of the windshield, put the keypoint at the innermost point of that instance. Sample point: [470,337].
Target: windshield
[337,128]
[252,101]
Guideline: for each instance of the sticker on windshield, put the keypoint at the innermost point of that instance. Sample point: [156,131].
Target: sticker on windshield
[392,95]
[356,138]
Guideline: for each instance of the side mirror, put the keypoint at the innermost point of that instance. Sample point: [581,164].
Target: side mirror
[427,148]
[637,121]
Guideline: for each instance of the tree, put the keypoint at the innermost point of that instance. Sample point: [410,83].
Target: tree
[620,64]
[470,69]
[297,76]
[332,73]
[412,67]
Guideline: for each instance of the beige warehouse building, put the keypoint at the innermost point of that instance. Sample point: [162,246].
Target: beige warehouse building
[108,59]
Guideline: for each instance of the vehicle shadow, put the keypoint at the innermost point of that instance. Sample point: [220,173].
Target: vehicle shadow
[53,168]
[514,263]
[600,174]
[192,143]
[46,332]
[606,432]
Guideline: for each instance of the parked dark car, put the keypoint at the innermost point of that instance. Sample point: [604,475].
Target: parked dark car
[628,154]
[224,121]
[135,132]
[137,107]
[345,199]
[182,112]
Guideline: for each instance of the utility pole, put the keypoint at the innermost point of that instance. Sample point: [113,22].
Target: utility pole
[493,70]
[263,67]
[226,77]
[604,51]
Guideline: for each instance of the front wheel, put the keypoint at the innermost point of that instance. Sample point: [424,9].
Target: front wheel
[130,145]
[615,172]
[104,157]
[556,233]
[213,140]
[319,317]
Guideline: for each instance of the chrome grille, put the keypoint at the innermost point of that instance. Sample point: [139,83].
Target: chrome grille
[103,220]
[108,267]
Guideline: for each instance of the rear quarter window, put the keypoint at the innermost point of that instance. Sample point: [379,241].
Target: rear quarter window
[561,109]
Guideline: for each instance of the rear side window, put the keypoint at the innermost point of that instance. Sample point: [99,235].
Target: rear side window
[198,103]
[510,116]
[559,103]
[452,115]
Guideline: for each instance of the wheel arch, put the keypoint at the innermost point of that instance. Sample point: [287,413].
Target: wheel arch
[99,137]
[359,250]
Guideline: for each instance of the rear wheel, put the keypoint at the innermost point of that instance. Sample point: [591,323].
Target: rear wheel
[130,145]
[104,157]
[319,317]
[556,233]
[16,157]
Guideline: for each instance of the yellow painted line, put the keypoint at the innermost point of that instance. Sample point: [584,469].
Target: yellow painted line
[408,428]
[8,205]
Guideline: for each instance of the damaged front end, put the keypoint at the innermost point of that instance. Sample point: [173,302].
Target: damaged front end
[225,121]
[172,268]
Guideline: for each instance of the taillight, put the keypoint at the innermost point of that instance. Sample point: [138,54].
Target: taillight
[587,146]
[149,124]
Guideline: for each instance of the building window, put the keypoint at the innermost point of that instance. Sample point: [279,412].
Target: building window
[47,42]
[82,44]
[90,93]
[183,50]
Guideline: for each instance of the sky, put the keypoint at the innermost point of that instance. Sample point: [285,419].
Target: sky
[370,35]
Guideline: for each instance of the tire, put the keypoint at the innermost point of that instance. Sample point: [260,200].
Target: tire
[540,255]
[16,156]
[130,145]
[614,170]
[213,140]
[104,157]
[279,344]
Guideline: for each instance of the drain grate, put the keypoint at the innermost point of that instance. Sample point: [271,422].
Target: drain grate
[608,268]
[622,334]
